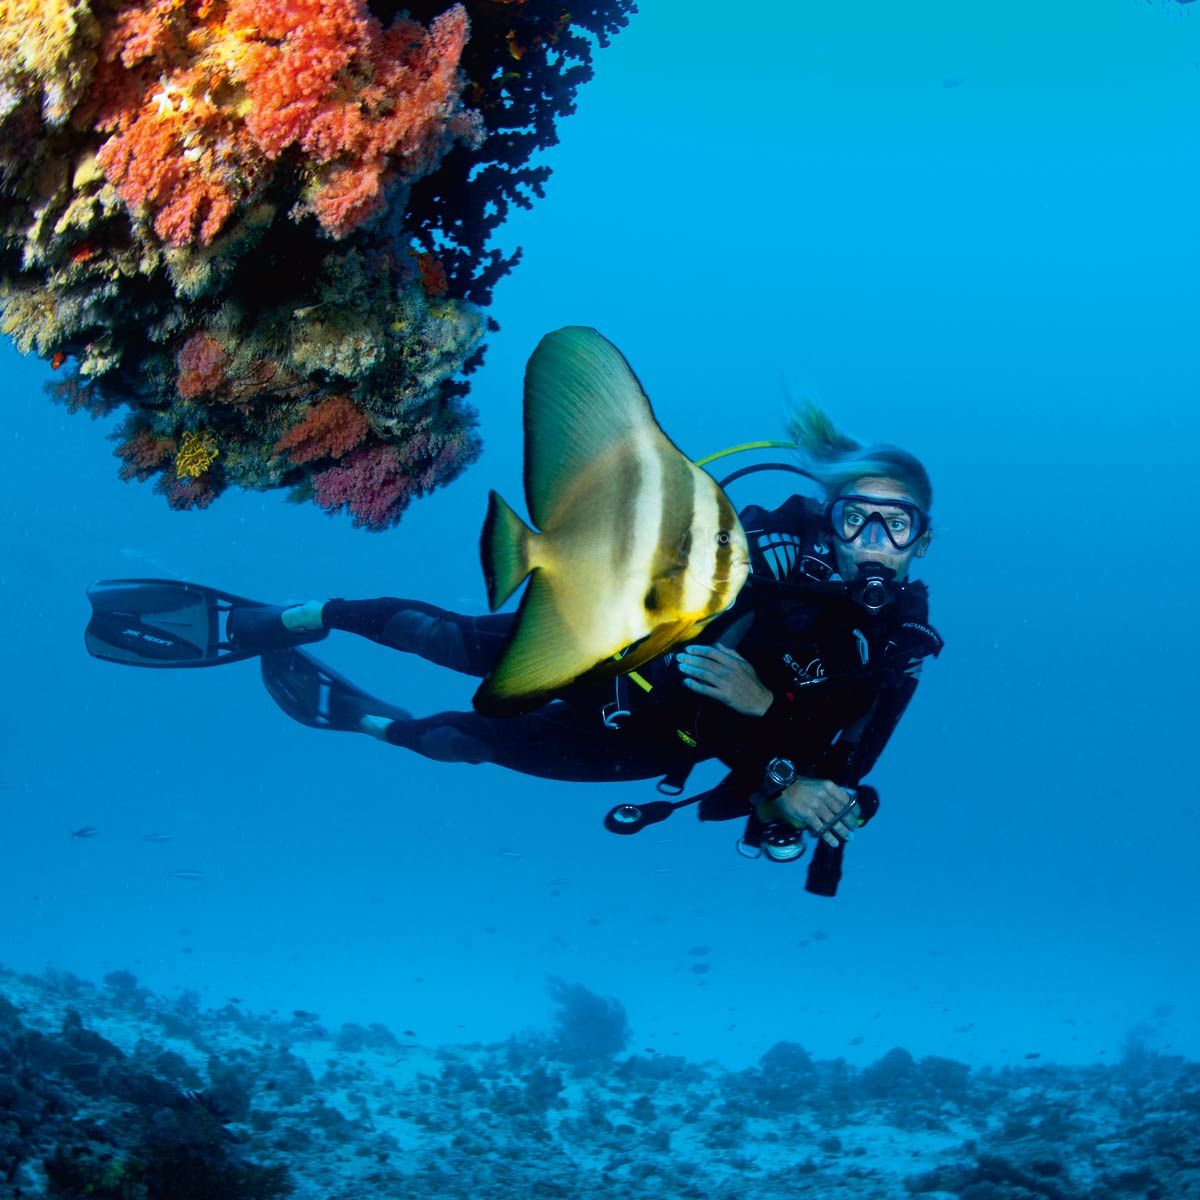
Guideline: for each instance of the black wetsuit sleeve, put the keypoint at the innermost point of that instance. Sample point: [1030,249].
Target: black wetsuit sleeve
[856,753]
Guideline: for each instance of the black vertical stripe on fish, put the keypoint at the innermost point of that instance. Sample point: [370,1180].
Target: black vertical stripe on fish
[727,524]
[676,516]
[628,500]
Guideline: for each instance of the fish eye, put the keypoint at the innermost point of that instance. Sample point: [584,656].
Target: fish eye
[724,537]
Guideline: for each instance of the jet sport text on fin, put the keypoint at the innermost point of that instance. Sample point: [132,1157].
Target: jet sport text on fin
[636,548]
[169,623]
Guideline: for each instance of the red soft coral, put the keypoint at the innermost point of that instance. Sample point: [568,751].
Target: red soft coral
[330,429]
[433,274]
[201,365]
[183,494]
[144,452]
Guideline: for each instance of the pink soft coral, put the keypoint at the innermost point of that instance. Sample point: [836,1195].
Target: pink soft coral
[371,483]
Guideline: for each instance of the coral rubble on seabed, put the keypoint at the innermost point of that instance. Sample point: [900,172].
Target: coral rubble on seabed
[104,1090]
[263,225]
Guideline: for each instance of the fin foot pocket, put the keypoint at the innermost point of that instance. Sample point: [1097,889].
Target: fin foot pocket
[170,623]
[318,696]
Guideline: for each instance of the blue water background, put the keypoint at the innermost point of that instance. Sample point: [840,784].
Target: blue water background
[967,229]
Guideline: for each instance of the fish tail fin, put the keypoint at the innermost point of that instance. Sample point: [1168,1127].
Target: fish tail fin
[504,548]
[539,656]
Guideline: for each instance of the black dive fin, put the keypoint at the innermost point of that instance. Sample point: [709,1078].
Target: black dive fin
[314,694]
[169,623]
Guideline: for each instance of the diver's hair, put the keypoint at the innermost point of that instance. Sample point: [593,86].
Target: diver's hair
[835,461]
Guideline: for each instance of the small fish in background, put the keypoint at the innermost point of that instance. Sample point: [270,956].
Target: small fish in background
[953,81]
[857,1041]
[187,873]
[410,1033]
[308,310]
[509,853]
[85,831]
[139,556]
[1033,1054]
[158,837]
[698,951]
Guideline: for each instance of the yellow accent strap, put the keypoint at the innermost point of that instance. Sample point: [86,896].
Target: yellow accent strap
[647,686]
[703,462]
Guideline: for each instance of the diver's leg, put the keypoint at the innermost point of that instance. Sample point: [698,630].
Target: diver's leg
[556,742]
[470,645]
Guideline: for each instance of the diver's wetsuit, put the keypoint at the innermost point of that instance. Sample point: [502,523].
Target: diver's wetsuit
[561,740]
[830,726]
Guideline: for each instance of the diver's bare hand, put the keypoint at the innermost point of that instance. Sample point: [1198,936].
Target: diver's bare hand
[814,803]
[723,674]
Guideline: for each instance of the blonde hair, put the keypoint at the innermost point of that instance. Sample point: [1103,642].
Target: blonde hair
[835,460]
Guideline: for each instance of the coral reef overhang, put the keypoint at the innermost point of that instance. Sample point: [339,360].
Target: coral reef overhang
[262,229]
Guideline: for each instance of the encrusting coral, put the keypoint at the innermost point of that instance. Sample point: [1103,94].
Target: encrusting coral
[263,225]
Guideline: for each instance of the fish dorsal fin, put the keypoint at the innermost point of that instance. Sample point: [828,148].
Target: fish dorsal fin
[541,655]
[581,397]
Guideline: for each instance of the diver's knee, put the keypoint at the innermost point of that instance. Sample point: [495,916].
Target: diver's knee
[452,746]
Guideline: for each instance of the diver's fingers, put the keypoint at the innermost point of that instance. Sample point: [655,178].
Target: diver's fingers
[696,668]
[836,822]
[832,794]
[730,651]
[712,653]
[827,825]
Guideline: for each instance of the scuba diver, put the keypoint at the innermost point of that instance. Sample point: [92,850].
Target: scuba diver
[796,687]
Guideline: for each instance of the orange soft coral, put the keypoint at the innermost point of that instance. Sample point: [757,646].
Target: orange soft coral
[330,429]
[174,152]
[198,102]
[362,103]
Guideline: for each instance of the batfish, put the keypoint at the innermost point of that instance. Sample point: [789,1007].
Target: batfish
[636,549]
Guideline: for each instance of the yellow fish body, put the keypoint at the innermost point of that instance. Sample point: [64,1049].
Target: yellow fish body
[638,548]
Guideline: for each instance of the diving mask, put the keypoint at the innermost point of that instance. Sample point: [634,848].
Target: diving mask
[851,518]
